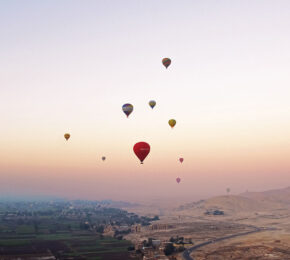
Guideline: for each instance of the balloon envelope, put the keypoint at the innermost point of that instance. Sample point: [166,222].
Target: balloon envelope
[172,122]
[178,180]
[103,158]
[181,160]
[66,136]
[166,62]
[152,103]
[141,150]
[127,109]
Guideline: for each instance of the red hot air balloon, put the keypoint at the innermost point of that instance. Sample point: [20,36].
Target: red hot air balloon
[178,180]
[181,160]
[141,150]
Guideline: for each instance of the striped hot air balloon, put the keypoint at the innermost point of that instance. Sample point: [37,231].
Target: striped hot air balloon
[166,62]
[127,109]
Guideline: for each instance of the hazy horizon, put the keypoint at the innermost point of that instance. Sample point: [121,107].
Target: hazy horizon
[69,66]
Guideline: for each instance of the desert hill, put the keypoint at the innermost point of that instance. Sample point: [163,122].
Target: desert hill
[281,196]
[246,202]
[234,203]
[228,204]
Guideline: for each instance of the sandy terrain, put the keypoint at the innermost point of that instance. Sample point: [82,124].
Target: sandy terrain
[270,209]
[198,231]
[260,246]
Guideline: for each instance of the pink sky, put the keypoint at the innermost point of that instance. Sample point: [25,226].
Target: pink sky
[70,66]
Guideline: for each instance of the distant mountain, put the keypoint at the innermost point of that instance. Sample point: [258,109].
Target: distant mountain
[233,203]
[281,196]
[245,202]
[228,204]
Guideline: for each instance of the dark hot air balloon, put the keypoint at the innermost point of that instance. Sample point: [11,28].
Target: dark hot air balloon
[181,160]
[166,62]
[141,150]
[178,180]
[103,158]
[152,103]
[127,109]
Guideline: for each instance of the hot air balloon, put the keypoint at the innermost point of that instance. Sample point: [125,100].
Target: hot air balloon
[172,123]
[127,109]
[181,160]
[178,180]
[141,150]
[166,62]
[66,136]
[103,158]
[228,190]
[152,103]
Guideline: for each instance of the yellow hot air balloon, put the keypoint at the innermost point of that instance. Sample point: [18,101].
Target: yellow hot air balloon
[172,122]
[66,136]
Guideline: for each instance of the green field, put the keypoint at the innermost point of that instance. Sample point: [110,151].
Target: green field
[49,230]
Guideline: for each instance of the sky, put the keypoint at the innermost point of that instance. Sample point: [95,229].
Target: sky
[69,66]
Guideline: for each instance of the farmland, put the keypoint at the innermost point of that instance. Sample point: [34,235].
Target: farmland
[63,230]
